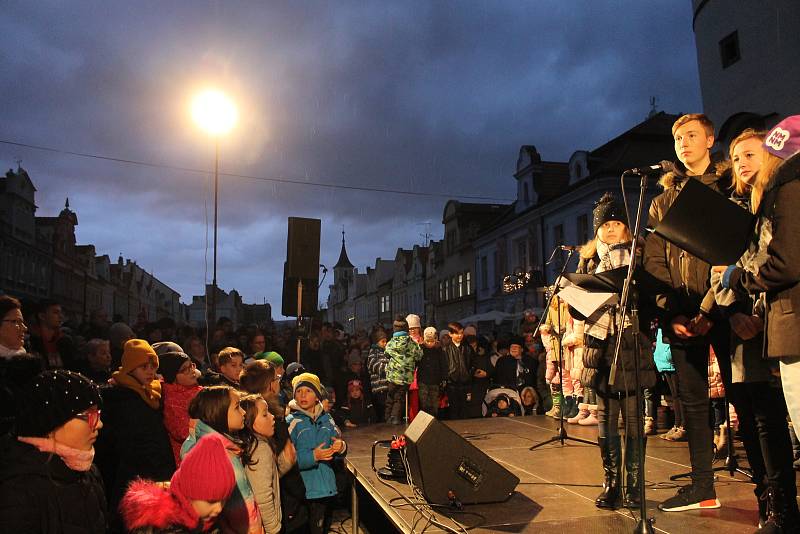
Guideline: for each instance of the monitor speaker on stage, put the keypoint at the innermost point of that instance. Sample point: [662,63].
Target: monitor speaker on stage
[289,300]
[446,467]
[302,249]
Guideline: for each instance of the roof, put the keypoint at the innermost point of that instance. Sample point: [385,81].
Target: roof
[344,261]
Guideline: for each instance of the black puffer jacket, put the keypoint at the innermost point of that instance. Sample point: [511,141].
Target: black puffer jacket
[779,276]
[39,494]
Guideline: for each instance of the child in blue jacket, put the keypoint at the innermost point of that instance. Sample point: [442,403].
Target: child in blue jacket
[317,441]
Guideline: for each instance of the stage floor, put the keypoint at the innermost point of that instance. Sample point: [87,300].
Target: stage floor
[558,483]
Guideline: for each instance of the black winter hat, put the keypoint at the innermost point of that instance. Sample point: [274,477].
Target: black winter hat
[608,209]
[171,358]
[51,399]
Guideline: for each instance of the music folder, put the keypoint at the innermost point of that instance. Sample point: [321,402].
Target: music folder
[707,225]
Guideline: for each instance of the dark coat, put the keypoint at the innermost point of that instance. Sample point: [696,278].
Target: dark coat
[506,375]
[40,494]
[778,277]
[598,357]
[133,442]
[15,372]
[432,368]
[684,279]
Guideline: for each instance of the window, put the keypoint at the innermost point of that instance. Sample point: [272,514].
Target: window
[384,303]
[582,235]
[484,272]
[729,49]
[441,291]
[525,194]
[460,285]
[468,282]
[447,289]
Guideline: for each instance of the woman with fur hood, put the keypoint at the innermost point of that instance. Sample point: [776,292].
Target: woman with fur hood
[191,501]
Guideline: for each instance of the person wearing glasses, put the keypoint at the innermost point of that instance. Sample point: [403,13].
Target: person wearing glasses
[134,442]
[16,365]
[48,482]
[12,328]
[179,387]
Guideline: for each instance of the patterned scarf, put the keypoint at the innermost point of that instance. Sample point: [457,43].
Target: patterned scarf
[75,459]
[600,324]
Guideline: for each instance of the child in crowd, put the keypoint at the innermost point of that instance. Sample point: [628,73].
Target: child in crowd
[98,361]
[530,401]
[431,372]
[503,406]
[403,355]
[357,410]
[376,365]
[555,326]
[260,378]
[216,411]
[318,441]
[230,362]
[716,396]
[134,442]
[179,388]
[663,360]
[266,466]
[194,498]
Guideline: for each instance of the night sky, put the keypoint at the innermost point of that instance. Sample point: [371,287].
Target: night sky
[429,97]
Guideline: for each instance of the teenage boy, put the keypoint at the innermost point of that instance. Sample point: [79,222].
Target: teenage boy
[686,306]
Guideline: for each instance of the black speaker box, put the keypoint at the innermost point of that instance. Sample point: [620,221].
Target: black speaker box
[442,464]
[289,300]
[302,249]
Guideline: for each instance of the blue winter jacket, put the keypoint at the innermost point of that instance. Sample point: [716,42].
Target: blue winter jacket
[307,431]
[662,354]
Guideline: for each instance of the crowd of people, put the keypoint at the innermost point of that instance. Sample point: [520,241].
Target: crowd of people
[145,428]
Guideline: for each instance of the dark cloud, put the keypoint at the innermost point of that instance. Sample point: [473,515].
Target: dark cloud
[432,97]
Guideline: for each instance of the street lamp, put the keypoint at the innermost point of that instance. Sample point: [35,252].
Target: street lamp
[216,114]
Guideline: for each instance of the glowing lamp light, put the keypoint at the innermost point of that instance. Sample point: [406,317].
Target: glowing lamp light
[214,112]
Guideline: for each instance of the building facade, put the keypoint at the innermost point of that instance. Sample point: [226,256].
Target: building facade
[747,58]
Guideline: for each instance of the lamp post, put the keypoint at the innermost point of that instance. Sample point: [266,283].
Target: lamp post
[216,114]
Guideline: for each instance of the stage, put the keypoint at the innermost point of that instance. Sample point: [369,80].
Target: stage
[558,484]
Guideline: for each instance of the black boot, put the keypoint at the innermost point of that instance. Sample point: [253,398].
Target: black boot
[783,514]
[762,498]
[610,453]
[633,477]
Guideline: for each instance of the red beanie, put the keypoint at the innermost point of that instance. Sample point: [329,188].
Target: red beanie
[206,472]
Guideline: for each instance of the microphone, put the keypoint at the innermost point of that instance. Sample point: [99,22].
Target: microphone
[658,168]
[576,248]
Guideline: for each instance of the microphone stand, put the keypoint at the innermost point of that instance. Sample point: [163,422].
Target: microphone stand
[645,524]
[562,435]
